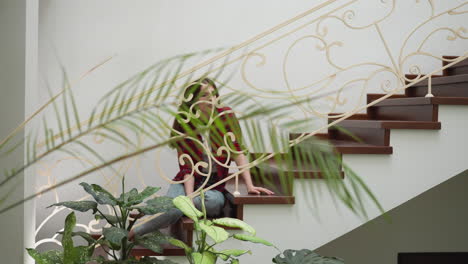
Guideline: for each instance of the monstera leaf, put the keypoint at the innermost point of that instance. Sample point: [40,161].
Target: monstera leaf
[304,256]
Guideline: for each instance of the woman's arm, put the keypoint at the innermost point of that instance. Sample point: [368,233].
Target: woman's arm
[189,184]
[241,160]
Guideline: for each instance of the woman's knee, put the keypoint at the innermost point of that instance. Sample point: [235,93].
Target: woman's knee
[214,202]
[175,190]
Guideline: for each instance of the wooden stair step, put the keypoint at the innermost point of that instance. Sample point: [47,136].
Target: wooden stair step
[350,146]
[447,86]
[374,96]
[390,124]
[437,100]
[375,132]
[461,78]
[405,109]
[459,68]
[246,198]
[440,100]
[305,170]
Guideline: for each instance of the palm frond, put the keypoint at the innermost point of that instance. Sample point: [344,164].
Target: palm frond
[126,105]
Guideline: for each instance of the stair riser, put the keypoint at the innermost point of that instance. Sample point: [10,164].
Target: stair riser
[448,90]
[458,70]
[272,180]
[404,112]
[374,136]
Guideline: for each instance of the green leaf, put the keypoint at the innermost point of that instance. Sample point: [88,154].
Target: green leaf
[140,197]
[82,206]
[149,260]
[125,196]
[181,244]
[67,241]
[103,242]
[85,236]
[252,239]
[234,261]
[186,206]
[152,241]
[112,219]
[49,257]
[82,234]
[205,258]
[224,255]
[218,234]
[233,222]
[81,254]
[304,256]
[100,194]
[156,205]
[114,234]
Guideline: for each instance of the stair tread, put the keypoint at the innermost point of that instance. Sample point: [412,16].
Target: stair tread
[423,101]
[354,147]
[444,80]
[461,63]
[246,198]
[390,124]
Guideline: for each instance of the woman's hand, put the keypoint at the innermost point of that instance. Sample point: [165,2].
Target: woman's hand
[259,190]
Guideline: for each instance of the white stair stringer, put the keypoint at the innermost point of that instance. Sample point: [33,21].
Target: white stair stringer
[421,159]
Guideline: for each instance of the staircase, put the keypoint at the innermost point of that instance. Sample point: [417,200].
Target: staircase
[408,144]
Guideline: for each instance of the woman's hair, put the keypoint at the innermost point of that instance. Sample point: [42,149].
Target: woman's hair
[192,92]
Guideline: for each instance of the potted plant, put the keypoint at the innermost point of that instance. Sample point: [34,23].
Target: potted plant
[114,239]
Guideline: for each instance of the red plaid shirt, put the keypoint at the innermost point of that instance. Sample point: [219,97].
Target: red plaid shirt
[228,123]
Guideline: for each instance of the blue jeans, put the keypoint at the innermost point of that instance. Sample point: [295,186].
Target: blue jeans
[214,203]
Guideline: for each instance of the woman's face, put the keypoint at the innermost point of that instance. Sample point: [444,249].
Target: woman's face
[207,95]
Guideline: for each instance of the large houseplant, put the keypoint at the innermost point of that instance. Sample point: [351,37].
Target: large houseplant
[114,239]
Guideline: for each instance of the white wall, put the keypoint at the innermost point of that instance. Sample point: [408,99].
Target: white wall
[434,221]
[81,34]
